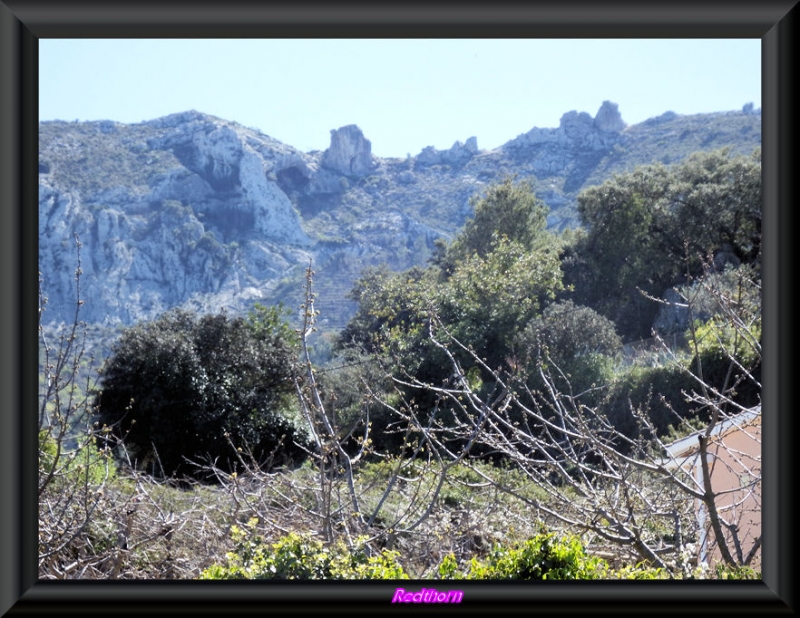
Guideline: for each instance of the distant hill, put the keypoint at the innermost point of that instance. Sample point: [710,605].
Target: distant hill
[197,211]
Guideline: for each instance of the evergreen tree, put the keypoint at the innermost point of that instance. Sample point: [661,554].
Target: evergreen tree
[181,390]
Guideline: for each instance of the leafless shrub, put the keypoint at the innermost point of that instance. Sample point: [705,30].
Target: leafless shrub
[642,496]
[96,521]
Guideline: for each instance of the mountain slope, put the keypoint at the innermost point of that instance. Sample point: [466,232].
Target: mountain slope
[198,211]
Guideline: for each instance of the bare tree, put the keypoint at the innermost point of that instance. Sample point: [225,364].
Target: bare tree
[637,494]
[335,502]
[421,474]
[71,480]
[92,523]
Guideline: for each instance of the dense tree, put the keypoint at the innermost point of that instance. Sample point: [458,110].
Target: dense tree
[493,278]
[509,210]
[484,287]
[388,303]
[714,205]
[183,389]
[487,300]
[649,229]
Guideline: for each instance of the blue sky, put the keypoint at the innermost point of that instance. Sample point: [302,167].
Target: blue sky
[404,94]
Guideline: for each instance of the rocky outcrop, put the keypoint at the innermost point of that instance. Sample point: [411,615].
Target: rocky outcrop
[577,131]
[458,154]
[196,211]
[350,153]
[573,149]
[227,166]
[212,223]
[608,118]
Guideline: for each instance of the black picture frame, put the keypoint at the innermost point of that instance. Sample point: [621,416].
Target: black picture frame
[24,22]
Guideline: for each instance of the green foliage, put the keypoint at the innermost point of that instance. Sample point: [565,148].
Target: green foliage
[724,571]
[483,288]
[48,451]
[546,556]
[717,292]
[487,300]
[201,388]
[391,323]
[566,330]
[725,344]
[727,347]
[81,466]
[660,392]
[648,229]
[638,572]
[270,324]
[509,210]
[391,306]
[719,338]
[617,254]
[486,285]
[300,556]
[350,388]
[574,342]
[715,202]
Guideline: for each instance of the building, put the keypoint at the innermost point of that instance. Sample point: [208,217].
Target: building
[734,454]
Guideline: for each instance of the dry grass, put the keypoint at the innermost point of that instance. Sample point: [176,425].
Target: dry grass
[134,527]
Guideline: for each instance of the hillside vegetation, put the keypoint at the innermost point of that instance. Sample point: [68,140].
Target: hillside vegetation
[479,415]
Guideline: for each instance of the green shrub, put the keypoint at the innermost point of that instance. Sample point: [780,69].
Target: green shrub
[300,556]
[48,451]
[566,331]
[741,572]
[546,556]
[185,389]
[728,358]
[639,572]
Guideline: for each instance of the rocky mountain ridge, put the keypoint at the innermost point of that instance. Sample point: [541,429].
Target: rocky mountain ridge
[196,211]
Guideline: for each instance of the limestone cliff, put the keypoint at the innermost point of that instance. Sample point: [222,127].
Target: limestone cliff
[198,211]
